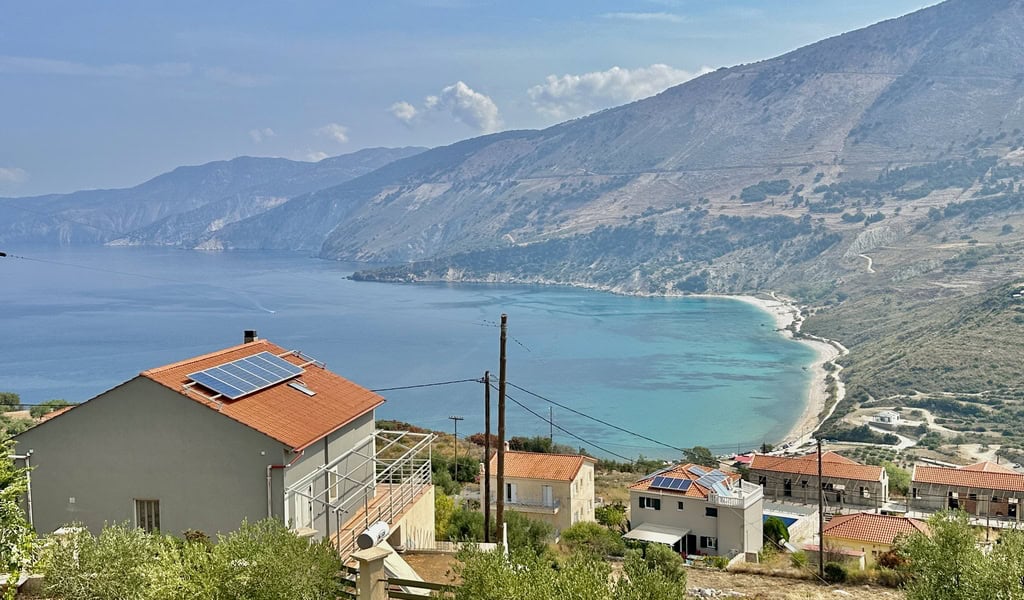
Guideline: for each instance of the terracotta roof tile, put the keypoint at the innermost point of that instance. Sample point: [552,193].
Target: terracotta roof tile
[55,413]
[833,466]
[536,465]
[988,467]
[969,477]
[695,490]
[868,527]
[281,412]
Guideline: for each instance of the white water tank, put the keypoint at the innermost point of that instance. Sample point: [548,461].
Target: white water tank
[374,534]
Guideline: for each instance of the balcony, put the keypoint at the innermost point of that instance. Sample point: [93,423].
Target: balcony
[531,505]
[741,496]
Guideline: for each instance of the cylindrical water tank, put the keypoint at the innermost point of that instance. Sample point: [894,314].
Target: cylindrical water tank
[373,535]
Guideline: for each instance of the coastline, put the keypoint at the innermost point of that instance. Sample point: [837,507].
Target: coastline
[788,319]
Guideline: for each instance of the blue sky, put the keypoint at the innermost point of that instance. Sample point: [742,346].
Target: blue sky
[109,94]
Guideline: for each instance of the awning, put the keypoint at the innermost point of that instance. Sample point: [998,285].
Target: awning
[659,534]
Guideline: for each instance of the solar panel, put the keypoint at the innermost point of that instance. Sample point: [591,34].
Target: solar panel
[670,483]
[246,375]
[696,470]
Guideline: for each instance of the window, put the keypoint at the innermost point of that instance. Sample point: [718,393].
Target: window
[147,515]
[711,511]
[708,542]
[679,505]
[803,483]
[651,503]
[914,493]
[787,487]
[762,480]
[510,493]
[972,496]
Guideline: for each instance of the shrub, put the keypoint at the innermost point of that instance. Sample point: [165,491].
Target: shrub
[835,572]
[47,407]
[662,559]
[798,559]
[717,562]
[592,538]
[610,515]
[775,530]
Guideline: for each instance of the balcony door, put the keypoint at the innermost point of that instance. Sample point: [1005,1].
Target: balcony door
[548,496]
[510,493]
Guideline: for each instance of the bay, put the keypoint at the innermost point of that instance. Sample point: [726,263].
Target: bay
[682,371]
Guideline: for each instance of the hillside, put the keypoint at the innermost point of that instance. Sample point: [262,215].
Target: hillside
[179,207]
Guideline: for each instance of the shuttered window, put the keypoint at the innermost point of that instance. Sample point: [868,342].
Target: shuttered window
[147,515]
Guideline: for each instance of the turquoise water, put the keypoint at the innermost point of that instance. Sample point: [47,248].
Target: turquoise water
[684,371]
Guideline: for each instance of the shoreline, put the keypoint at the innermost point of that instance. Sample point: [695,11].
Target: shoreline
[788,319]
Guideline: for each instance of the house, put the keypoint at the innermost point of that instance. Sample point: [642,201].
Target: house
[870,534]
[887,419]
[248,432]
[697,510]
[846,482]
[555,488]
[984,489]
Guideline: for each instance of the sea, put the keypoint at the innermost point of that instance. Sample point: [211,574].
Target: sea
[619,376]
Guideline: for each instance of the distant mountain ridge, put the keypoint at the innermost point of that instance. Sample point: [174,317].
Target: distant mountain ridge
[179,207]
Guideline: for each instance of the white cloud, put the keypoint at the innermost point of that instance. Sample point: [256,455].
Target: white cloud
[574,95]
[403,111]
[13,175]
[462,102]
[644,16]
[316,156]
[258,135]
[334,131]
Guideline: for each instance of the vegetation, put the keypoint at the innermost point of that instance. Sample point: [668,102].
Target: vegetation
[593,538]
[525,576]
[9,401]
[611,515]
[699,455]
[259,561]
[48,407]
[899,479]
[16,536]
[467,525]
[775,530]
[949,564]
[762,189]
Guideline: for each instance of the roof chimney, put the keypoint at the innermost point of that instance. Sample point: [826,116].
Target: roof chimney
[249,336]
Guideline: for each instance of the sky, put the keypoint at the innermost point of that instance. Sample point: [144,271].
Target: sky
[108,94]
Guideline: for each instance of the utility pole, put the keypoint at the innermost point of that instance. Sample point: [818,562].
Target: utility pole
[487,457]
[500,512]
[551,427]
[456,420]
[821,519]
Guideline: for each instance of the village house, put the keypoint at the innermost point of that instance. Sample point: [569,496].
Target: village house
[845,482]
[248,432]
[697,510]
[867,534]
[555,488]
[984,489]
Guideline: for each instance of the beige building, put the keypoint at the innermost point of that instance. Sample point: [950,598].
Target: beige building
[869,534]
[697,510]
[247,432]
[556,488]
[846,482]
[984,489]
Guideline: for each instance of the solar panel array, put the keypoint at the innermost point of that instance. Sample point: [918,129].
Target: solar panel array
[712,477]
[699,472]
[670,483]
[246,375]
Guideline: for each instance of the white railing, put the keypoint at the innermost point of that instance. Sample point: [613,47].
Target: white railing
[374,481]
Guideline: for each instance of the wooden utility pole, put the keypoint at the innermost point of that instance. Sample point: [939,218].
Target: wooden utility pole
[500,512]
[487,457]
[821,519]
[456,420]
[551,427]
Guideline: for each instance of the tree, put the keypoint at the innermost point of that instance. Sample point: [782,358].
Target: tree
[611,515]
[775,530]
[947,562]
[444,507]
[9,401]
[899,479]
[524,532]
[16,536]
[699,455]
[592,538]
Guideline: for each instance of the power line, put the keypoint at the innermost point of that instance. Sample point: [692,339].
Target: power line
[425,385]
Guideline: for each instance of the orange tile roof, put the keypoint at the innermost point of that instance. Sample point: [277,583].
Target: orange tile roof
[969,478]
[679,472]
[833,466]
[281,412]
[868,527]
[55,413]
[988,467]
[537,465]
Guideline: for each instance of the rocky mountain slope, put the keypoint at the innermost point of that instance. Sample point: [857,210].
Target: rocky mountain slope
[180,207]
[693,170]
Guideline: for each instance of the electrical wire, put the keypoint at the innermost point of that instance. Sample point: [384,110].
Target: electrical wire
[426,385]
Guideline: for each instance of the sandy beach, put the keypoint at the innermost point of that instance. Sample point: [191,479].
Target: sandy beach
[788,318]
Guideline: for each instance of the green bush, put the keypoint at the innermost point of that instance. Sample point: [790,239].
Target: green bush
[47,407]
[717,562]
[610,515]
[259,561]
[835,572]
[592,538]
[775,530]
[798,559]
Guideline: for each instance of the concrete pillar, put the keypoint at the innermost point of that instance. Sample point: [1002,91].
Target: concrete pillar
[373,581]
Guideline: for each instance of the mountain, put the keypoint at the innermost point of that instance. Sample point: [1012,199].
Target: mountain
[180,207]
[732,181]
